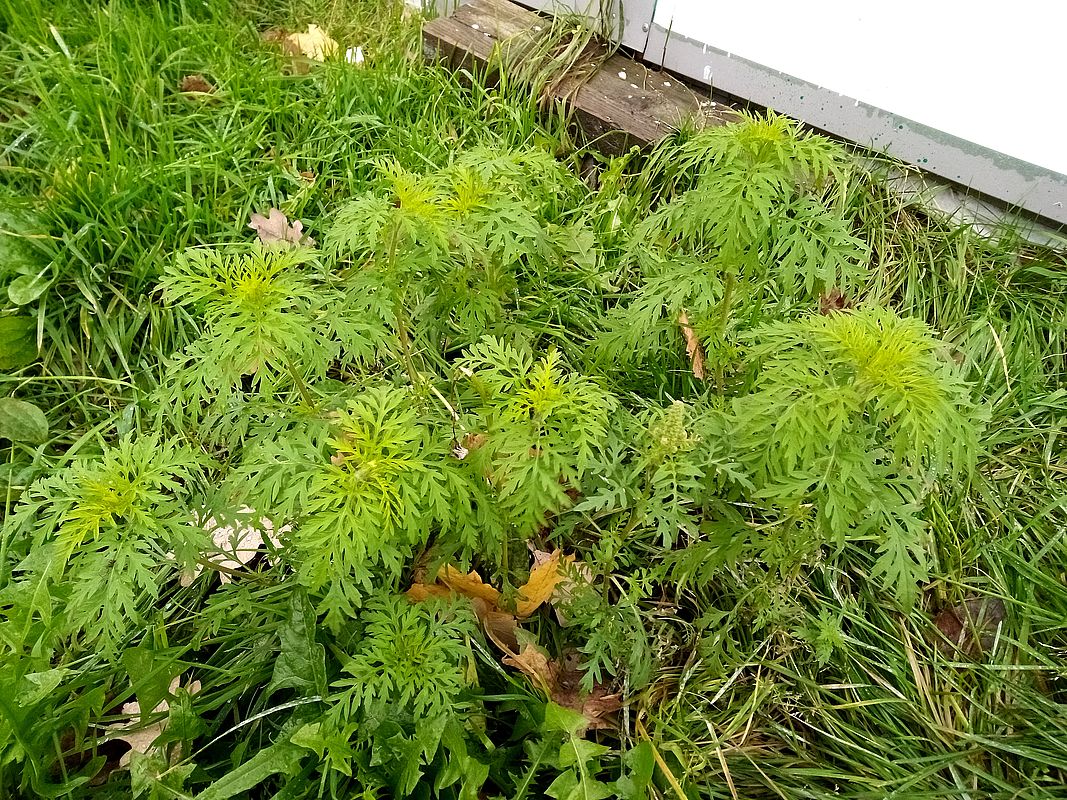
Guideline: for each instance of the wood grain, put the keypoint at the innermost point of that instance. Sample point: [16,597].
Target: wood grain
[623,103]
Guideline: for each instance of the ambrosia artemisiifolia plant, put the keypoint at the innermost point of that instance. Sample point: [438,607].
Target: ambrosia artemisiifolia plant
[858,414]
[755,232]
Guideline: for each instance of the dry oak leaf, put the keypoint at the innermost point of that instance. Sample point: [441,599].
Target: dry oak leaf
[693,348]
[141,739]
[314,43]
[275,228]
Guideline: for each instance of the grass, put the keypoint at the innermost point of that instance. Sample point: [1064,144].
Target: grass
[108,171]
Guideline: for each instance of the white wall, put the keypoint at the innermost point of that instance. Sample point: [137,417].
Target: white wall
[991,73]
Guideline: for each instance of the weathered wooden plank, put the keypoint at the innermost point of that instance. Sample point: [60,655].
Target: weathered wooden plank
[621,104]
[467,37]
[626,103]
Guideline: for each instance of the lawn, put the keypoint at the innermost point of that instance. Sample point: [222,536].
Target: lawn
[365,435]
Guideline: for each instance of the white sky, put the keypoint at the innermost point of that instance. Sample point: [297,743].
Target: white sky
[992,73]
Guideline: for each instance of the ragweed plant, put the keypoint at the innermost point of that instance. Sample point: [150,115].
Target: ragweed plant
[857,414]
[273,321]
[361,493]
[660,471]
[100,540]
[410,663]
[451,250]
[539,429]
[757,227]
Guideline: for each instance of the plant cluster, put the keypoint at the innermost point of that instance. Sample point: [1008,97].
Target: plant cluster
[510,487]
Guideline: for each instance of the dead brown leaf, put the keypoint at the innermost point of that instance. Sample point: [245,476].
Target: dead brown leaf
[970,627]
[424,591]
[472,441]
[276,228]
[693,349]
[561,682]
[552,574]
[274,35]
[501,627]
[195,84]
[533,662]
[834,301]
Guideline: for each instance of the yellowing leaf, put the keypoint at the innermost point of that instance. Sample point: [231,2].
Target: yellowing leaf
[542,583]
[470,584]
[313,43]
[574,575]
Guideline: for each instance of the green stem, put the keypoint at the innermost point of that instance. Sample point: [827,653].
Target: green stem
[725,307]
[727,303]
[405,344]
[398,309]
[301,386]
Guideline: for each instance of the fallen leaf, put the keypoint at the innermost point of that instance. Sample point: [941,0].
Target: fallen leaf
[561,681]
[274,35]
[552,575]
[314,43]
[472,441]
[541,584]
[469,584]
[533,662]
[501,627]
[599,706]
[424,591]
[140,739]
[275,227]
[572,574]
[236,544]
[196,84]
[970,627]
[693,348]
